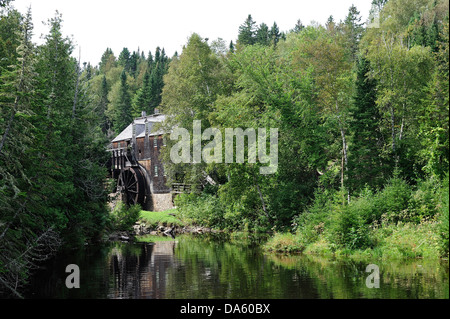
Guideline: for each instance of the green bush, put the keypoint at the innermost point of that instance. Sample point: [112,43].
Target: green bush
[398,222]
[409,240]
[424,202]
[393,200]
[311,224]
[444,211]
[349,229]
[284,243]
[123,217]
[366,206]
[203,209]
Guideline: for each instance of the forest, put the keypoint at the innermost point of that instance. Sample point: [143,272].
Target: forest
[362,113]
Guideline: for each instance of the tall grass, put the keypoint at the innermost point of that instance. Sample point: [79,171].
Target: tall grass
[400,221]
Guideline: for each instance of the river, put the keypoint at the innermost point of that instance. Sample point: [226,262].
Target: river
[222,266]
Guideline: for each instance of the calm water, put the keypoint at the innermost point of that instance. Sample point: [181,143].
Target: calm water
[216,267]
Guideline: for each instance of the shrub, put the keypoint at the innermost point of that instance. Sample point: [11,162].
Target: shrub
[444,211]
[123,217]
[393,200]
[284,243]
[410,240]
[311,224]
[349,229]
[424,202]
[365,206]
[203,209]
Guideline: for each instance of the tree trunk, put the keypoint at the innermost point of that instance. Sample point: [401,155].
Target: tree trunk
[391,109]
[344,166]
[260,195]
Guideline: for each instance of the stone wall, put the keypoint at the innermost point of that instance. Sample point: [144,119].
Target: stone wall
[162,202]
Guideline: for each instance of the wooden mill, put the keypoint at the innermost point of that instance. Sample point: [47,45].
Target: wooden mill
[136,164]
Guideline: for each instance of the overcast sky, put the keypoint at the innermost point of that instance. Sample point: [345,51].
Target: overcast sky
[98,24]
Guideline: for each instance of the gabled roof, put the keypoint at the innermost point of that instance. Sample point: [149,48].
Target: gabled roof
[127,133]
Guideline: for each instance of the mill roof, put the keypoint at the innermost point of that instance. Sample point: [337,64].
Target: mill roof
[127,133]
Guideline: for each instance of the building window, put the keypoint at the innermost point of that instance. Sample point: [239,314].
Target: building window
[155,141]
[156,171]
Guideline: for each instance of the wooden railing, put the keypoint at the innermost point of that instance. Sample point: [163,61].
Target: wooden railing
[179,188]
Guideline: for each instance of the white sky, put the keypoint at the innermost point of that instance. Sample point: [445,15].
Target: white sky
[97,24]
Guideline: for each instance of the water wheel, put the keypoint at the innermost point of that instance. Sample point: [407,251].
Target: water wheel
[131,184]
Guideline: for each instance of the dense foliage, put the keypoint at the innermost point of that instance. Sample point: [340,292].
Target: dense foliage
[361,111]
[52,155]
[56,119]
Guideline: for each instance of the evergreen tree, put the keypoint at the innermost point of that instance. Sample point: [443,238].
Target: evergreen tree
[434,119]
[103,105]
[330,24]
[122,105]
[156,85]
[157,55]
[18,80]
[353,29]
[365,161]
[247,30]
[274,34]
[133,64]
[231,46]
[108,61]
[150,61]
[142,100]
[298,27]
[9,38]
[262,34]
[124,59]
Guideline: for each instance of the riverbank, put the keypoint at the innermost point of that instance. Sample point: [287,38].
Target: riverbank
[391,241]
[398,222]
[151,226]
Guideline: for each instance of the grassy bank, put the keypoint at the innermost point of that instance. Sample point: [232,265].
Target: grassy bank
[404,240]
[153,220]
[396,223]
[165,218]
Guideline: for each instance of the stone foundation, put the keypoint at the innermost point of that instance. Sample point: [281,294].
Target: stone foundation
[162,202]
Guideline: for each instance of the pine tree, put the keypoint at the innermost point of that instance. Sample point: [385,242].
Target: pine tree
[142,100]
[105,124]
[108,61]
[124,59]
[330,24]
[262,34]
[133,63]
[247,30]
[298,27]
[9,38]
[157,54]
[122,108]
[274,34]
[231,46]
[365,161]
[25,237]
[150,61]
[21,76]
[353,29]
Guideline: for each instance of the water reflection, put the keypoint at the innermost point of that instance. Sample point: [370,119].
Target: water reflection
[218,267]
[140,272]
